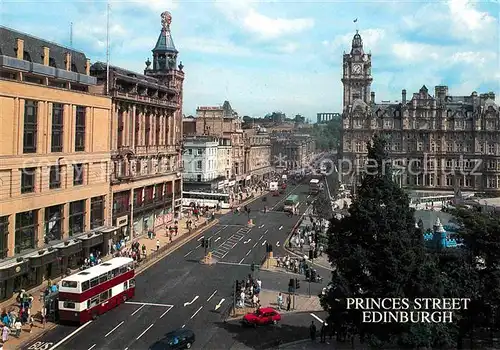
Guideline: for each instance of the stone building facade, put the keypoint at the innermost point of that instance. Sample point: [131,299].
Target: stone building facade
[257,154]
[440,141]
[54,161]
[291,151]
[223,122]
[146,140]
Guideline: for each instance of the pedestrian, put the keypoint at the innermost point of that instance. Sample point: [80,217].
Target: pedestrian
[32,320]
[288,302]
[280,301]
[5,334]
[44,316]
[18,326]
[323,332]
[312,331]
[157,244]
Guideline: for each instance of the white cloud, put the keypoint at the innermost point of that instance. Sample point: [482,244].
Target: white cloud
[469,22]
[214,46]
[158,6]
[242,13]
[288,48]
[416,52]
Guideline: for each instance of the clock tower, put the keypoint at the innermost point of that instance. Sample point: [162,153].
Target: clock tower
[357,77]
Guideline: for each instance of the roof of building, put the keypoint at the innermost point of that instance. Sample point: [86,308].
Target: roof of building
[33,50]
[98,270]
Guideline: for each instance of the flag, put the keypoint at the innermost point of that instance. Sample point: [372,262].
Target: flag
[355,20]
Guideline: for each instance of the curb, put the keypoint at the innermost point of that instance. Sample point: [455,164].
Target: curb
[297,342]
[46,330]
[176,246]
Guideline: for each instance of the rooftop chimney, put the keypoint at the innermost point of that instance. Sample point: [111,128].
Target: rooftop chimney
[46,55]
[372,97]
[87,67]
[20,49]
[68,61]
[403,96]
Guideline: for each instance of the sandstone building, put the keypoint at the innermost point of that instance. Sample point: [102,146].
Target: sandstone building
[258,154]
[439,142]
[146,138]
[54,161]
[291,150]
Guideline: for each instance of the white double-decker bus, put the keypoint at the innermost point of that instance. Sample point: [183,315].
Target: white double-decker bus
[89,293]
[204,199]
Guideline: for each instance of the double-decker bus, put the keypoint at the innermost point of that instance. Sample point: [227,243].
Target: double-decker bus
[314,186]
[85,295]
[204,199]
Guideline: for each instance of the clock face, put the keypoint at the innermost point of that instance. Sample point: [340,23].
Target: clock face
[356,69]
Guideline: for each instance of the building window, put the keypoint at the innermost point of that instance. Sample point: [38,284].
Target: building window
[78,174]
[30,126]
[76,217]
[57,128]
[80,129]
[121,202]
[491,149]
[119,141]
[198,178]
[449,180]
[198,165]
[96,212]
[55,177]
[28,180]
[190,151]
[53,223]
[200,151]
[4,232]
[26,227]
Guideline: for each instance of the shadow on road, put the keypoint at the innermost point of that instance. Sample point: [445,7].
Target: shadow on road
[264,337]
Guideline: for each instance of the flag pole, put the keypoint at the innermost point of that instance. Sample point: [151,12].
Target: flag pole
[107,47]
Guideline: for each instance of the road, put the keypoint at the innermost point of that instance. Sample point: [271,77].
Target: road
[179,292]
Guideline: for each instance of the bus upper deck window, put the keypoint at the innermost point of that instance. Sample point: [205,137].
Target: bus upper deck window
[69,284]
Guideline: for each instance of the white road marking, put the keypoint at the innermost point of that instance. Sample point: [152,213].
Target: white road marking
[261,226]
[277,244]
[224,255]
[111,331]
[234,245]
[199,239]
[255,244]
[241,238]
[188,253]
[192,301]
[247,241]
[219,304]
[217,239]
[248,252]
[266,231]
[147,329]
[201,307]
[316,317]
[280,227]
[126,348]
[199,245]
[163,314]
[183,326]
[264,242]
[241,260]
[211,296]
[79,329]
[232,263]
[147,304]
[93,346]
[136,311]
[261,237]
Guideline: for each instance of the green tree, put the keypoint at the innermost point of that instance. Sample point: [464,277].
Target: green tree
[379,253]
[322,206]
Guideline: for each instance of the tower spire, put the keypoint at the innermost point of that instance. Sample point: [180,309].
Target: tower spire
[164,52]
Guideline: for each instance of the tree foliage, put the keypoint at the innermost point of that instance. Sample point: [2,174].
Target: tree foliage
[379,252]
[322,206]
[328,136]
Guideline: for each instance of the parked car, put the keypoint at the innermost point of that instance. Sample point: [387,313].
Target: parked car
[261,317]
[180,339]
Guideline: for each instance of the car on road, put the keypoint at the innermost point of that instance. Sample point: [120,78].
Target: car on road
[261,317]
[180,339]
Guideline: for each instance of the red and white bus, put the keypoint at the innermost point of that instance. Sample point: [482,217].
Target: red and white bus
[85,295]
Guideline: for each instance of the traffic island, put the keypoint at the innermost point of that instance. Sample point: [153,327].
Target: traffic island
[208,259]
[268,298]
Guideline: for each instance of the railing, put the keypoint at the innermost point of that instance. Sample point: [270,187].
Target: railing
[145,99]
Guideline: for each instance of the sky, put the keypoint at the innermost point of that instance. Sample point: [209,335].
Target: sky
[275,55]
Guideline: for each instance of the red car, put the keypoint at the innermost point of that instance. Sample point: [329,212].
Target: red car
[276,193]
[262,316]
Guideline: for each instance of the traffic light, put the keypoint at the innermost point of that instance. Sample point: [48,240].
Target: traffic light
[238,286]
[290,283]
[252,267]
[297,283]
[208,242]
[269,248]
[203,243]
[311,256]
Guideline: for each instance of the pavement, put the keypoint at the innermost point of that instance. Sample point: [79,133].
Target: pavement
[180,292]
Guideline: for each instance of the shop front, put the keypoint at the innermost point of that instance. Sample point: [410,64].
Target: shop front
[70,254]
[44,264]
[92,242]
[15,275]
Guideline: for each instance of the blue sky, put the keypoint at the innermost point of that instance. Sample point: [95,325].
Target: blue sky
[284,55]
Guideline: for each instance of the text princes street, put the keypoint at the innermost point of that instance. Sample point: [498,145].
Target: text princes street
[407,317]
